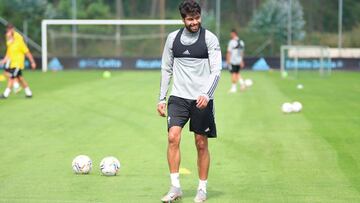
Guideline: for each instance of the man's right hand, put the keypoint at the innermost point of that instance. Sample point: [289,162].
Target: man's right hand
[2,62]
[228,65]
[161,108]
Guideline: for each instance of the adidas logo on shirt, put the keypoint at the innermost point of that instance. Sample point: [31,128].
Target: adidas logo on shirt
[186,52]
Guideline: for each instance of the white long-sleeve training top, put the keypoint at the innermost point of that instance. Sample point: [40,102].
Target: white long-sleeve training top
[194,62]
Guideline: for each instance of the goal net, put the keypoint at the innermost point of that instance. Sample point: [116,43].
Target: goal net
[81,39]
[296,58]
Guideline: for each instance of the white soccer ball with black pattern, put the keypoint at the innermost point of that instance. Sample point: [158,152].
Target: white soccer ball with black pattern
[287,107]
[248,82]
[109,166]
[82,164]
[296,106]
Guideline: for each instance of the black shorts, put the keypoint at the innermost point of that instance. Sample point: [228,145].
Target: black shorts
[15,73]
[235,69]
[202,121]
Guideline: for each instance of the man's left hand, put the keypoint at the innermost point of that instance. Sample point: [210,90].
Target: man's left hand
[33,65]
[242,65]
[202,101]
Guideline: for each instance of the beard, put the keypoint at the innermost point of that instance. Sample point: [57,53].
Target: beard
[194,28]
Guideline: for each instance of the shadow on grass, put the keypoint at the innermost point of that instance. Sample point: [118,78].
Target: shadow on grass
[211,193]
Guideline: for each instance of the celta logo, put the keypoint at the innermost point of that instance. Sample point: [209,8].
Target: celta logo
[55,64]
[100,63]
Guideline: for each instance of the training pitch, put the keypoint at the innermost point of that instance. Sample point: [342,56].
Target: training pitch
[260,155]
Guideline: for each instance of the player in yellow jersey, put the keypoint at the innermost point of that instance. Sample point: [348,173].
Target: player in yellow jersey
[15,53]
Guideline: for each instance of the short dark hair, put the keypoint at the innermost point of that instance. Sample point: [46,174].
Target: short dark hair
[9,26]
[189,7]
[234,31]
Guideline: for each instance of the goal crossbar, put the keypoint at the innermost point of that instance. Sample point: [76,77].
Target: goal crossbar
[45,23]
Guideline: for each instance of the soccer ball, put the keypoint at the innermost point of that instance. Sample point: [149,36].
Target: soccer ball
[296,106]
[300,86]
[109,166]
[287,107]
[82,164]
[106,74]
[248,82]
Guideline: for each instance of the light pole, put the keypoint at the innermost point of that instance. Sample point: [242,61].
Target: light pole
[340,24]
[289,25]
[74,30]
[218,18]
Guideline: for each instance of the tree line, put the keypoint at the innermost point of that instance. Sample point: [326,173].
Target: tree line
[319,16]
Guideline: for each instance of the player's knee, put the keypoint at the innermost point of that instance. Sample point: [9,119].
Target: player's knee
[174,138]
[201,144]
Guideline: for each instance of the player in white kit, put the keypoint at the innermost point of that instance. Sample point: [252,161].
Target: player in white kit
[192,58]
[235,60]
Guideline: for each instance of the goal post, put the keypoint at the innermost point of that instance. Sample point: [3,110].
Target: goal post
[295,58]
[45,23]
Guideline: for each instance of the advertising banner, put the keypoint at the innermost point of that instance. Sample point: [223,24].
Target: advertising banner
[256,63]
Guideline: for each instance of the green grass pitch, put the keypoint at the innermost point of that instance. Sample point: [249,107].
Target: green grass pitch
[260,155]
